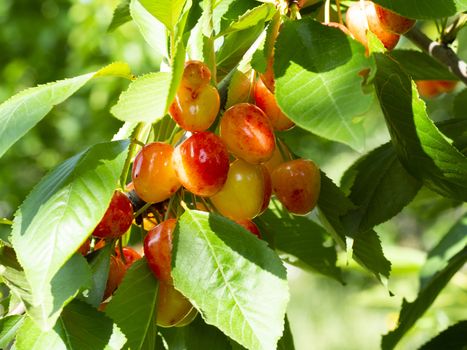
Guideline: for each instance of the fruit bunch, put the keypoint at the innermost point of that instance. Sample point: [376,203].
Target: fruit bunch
[230,165]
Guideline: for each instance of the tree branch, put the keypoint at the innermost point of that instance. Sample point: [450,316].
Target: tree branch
[440,52]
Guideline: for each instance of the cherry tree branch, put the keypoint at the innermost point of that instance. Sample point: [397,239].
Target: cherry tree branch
[440,52]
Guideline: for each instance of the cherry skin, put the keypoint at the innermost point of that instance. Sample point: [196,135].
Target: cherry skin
[268,76]
[266,100]
[297,185]
[130,255]
[153,175]
[172,306]
[248,133]
[393,22]
[246,192]
[117,271]
[117,219]
[84,249]
[158,250]
[433,88]
[250,226]
[277,157]
[361,18]
[201,163]
[196,74]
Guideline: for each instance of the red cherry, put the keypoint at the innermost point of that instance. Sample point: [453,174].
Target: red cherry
[117,271]
[84,249]
[248,133]
[158,250]
[172,306]
[201,163]
[130,255]
[433,88]
[196,74]
[117,219]
[250,226]
[393,22]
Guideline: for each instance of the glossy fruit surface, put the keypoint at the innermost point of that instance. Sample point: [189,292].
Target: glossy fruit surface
[246,192]
[277,157]
[117,271]
[433,88]
[117,219]
[392,21]
[195,109]
[153,175]
[266,100]
[195,74]
[250,226]
[172,306]
[248,133]
[297,185]
[130,255]
[361,18]
[201,163]
[158,250]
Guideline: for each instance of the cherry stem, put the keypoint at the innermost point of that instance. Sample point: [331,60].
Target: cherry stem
[132,150]
[339,12]
[327,11]
[120,248]
[169,206]
[142,210]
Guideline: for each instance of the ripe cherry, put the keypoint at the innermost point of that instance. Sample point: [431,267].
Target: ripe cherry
[196,74]
[117,271]
[248,133]
[297,185]
[130,255]
[158,250]
[117,219]
[246,192]
[153,175]
[360,18]
[172,306]
[278,157]
[250,226]
[84,249]
[266,100]
[201,163]
[433,88]
[393,22]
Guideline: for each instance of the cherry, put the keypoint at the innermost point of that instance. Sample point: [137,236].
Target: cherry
[196,74]
[158,250]
[117,219]
[266,100]
[268,76]
[172,306]
[393,22]
[240,88]
[246,192]
[117,271]
[130,255]
[296,184]
[84,249]
[153,175]
[433,88]
[201,163]
[361,18]
[250,226]
[277,157]
[248,133]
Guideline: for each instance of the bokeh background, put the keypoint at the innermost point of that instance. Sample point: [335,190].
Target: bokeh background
[43,41]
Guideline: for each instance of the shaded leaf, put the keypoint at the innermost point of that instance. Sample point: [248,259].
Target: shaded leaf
[251,18]
[426,9]
[232,277]
[9,326]
[121,15]
[452,338]
[460,105]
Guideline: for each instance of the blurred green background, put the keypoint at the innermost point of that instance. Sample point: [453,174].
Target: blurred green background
[42,41]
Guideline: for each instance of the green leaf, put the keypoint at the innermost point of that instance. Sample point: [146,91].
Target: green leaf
[438,258]
[79,327]
[301,238]
[133,306]
[166,11]
[286,342]
[120,16]
[421,147]
[460,105]
[232,277]
[196,336]
[456,130]
[24,110]
[318,84]
[421,66]
[60,213]
[411,312]
[426,9]
[5,234]
[99,262]
[451,338]
[367,251]
[9,326]
[147,99]
[251,18]
[152,30]
[379,186]
[261,56]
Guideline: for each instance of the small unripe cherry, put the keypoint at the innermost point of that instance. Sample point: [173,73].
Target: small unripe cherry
[297,185]
[250,226]
[248,133]
[153,175]
[246,192]
[196,74]
[117,218]
[266,100]
[158,250]
[393,22]
[117,271]
[201,163]
[172,306]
